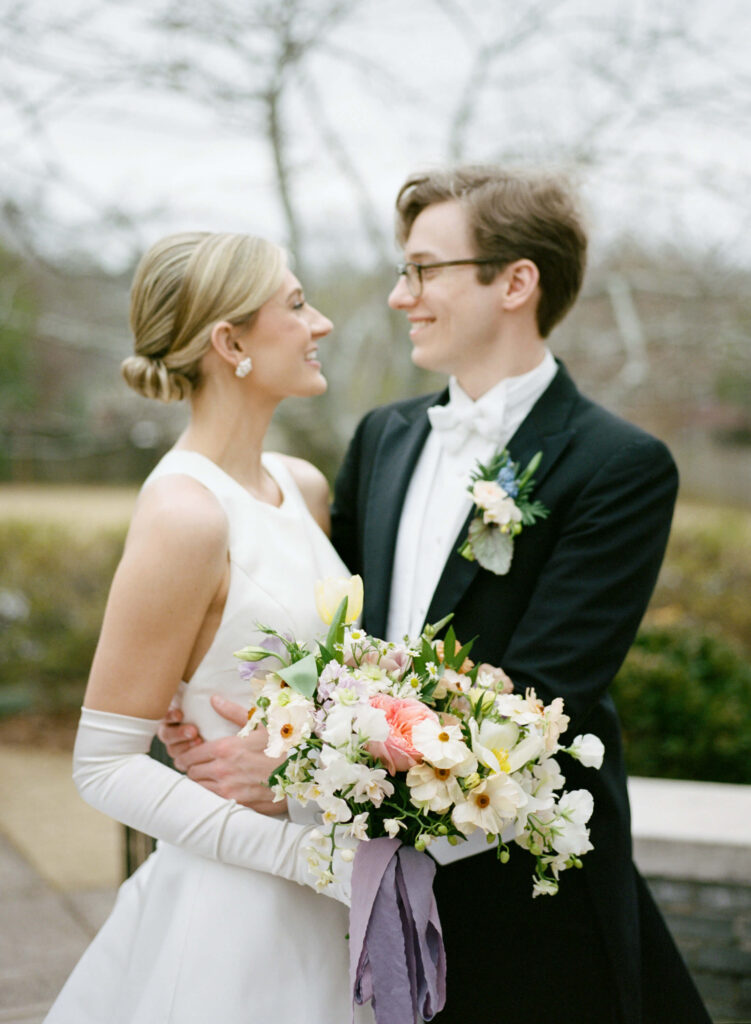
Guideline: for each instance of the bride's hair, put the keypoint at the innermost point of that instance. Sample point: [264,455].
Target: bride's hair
[184,285]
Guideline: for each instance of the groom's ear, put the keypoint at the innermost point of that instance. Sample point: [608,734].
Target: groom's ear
[521,279]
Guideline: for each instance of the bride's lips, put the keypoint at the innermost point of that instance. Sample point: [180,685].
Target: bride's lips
[311,358]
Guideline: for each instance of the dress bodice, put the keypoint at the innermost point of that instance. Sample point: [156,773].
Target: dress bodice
[276,555]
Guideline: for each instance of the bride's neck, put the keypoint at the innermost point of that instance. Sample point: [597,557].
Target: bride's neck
[230,432]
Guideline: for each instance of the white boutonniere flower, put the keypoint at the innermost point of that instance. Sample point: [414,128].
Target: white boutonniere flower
[503,502]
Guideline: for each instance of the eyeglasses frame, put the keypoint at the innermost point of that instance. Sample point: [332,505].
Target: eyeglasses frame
[403,271]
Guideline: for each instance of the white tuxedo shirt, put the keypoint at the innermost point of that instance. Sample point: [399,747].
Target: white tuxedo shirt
[437,500]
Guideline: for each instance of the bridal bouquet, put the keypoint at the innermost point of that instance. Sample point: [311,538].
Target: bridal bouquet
[399,745]
[414,741]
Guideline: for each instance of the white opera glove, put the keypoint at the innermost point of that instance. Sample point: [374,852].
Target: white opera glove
[113,773]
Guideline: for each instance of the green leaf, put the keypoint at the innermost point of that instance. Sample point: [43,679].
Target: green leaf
[301,676]
[532,465]
[493,549]
[335,634]
[431,629]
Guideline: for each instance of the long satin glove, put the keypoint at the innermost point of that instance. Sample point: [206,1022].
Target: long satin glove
[114,773]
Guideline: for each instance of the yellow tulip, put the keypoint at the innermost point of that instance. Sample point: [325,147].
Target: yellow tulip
[329,594]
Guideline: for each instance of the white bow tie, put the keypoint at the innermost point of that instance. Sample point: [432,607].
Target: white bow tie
[455,425]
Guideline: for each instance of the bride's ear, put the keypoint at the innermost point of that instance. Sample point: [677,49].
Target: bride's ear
[224,343]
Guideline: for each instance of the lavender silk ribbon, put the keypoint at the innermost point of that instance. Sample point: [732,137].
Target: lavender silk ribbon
[396,954]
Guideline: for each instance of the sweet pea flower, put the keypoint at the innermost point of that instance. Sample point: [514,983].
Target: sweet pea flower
[330,592]
[570,835]
[397,751]
[588,749]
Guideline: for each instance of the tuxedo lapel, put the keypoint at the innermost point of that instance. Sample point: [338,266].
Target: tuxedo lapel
[544,430]
[398,449]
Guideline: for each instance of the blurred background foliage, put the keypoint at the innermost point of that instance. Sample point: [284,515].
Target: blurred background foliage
[684,692]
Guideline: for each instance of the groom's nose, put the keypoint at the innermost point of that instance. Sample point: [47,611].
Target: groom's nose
[400,296]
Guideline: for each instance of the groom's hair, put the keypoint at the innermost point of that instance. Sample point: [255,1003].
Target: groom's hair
[513,215]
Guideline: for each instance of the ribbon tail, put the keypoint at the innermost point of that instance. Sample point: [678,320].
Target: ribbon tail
[397,958]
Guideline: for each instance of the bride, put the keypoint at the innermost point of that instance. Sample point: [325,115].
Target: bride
[212,926]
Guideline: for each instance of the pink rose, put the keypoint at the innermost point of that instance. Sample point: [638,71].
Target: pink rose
[397,752]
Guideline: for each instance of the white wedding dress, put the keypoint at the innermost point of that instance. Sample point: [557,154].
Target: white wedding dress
[192,940]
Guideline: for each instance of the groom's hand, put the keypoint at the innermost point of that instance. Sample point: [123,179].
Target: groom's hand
[234,767]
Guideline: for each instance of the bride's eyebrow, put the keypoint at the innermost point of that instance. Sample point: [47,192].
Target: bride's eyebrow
[295,293]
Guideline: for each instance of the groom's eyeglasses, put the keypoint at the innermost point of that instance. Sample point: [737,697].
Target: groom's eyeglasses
[412,272]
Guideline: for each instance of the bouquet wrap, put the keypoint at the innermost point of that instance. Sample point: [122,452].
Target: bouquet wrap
[397,958]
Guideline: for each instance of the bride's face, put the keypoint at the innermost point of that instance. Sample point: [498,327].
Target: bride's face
[283,344]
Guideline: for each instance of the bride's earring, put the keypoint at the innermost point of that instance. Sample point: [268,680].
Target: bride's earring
[244,367]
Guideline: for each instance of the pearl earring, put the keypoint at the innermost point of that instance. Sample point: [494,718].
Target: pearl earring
[244,367]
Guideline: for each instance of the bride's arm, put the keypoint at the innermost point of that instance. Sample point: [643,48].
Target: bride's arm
[171,572]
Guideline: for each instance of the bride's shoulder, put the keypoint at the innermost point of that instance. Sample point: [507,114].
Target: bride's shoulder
[313,486]
[178,512]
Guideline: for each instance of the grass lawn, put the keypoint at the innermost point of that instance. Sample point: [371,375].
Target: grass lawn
[69,505]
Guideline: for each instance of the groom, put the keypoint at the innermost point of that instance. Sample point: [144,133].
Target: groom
[493,261]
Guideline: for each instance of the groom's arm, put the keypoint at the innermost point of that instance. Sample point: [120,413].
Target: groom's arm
[592,593]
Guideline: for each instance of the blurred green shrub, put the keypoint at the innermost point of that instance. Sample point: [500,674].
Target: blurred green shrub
[684,698]
[53,588]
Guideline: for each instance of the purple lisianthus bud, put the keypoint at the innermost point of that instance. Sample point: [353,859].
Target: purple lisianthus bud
[250,669]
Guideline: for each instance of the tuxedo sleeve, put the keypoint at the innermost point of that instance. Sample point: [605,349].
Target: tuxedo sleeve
[593,590]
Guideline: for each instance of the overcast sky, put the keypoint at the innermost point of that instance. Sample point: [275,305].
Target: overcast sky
[648,102]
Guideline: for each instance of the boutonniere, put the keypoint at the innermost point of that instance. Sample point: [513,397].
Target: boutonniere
[503,507]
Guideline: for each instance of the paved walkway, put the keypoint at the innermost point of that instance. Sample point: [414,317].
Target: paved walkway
[61,862]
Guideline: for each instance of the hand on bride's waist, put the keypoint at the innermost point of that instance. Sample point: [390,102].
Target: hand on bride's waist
[234,767]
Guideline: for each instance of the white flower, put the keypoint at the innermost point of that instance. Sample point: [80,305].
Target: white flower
[570,837]
[435,789]
[489,806]
[288,724]
[555,723]
[497,506]
[544,887]
[336,771]
[491,742]
[371,785]
[392,826]
[588,749]
[370,723]
[337,728]
[529,749]
[334,809]
[443,745]
[357,828]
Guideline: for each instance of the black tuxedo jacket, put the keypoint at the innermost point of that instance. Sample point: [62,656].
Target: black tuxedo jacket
[561,621]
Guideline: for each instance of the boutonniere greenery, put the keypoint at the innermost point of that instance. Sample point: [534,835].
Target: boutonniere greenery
[503,506]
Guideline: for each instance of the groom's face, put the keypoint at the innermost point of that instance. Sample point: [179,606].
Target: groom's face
[455,323]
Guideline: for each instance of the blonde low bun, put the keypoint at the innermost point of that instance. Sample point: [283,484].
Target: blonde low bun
[184,285]
[152,379]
